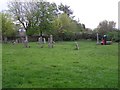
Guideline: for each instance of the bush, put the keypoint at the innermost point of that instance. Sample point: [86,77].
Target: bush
[114,35]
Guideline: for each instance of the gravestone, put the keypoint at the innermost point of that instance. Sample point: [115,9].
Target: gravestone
[97,39]
[76,46]
[26,38]
[40,41]
[50,42]
[22,39]
[16,41]
[26,44]
[44,40]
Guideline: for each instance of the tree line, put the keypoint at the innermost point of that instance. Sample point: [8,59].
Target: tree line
[45,18]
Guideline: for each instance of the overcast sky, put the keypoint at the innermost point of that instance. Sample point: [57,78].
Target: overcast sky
[89,12]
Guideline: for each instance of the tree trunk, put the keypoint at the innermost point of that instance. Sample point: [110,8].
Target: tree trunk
[41,33]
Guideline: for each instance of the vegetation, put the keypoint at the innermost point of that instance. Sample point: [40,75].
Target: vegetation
[108,28]
[93,66]
[8,27]
[44,18]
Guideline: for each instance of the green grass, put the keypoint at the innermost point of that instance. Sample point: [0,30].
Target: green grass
[93,66]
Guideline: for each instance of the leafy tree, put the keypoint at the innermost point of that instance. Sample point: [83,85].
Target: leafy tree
[80,27]
[62,23]
[114,35]
[34,15]
[66,9]
[8,27]
[64,26]
[44,17]
[45,14]
[106,26]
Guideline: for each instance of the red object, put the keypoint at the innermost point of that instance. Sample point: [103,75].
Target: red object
[103,41]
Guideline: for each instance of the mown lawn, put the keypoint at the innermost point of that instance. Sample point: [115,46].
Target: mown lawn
[93,66]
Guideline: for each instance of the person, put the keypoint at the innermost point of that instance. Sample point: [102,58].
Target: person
[105,39]
[103,42]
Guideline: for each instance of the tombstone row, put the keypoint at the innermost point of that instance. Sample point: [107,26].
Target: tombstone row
[41,42]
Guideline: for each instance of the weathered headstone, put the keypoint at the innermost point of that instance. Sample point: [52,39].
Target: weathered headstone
[76,46]
[40,41]
[26,43]
[26,38]
[22,39]
[16,41]
[97,39]
[50,42]
[44,40]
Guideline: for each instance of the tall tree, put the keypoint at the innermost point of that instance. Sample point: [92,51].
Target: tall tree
[106,26]
[45,14]
[16,9]
[8,27]
[63,23]
[34,15]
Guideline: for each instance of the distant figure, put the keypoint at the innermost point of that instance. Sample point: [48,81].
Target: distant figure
[105,39]
[103,42]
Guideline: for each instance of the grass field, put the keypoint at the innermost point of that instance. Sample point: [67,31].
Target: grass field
[93,66]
